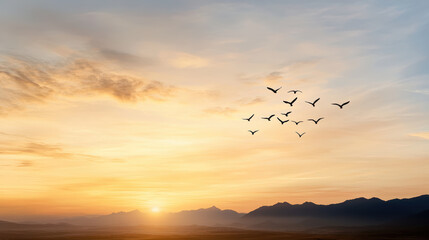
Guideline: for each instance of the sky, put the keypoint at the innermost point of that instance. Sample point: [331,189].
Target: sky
[117,105]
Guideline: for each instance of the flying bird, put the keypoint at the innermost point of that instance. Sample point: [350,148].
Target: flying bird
[341,105]
[253,132]
[300,135]
[296,123]
[290,103]
[286,114]
[248,119]
[315,121]
[295,91]
[285,121]
[269,118]
[274,90]
[313,103]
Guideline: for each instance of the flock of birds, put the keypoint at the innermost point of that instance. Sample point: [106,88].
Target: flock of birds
[290,103]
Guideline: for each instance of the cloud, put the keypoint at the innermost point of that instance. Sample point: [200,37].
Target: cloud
[25,164]
[225,111]
[186,60]
[254,101]
[123,57]
[424,135]
[273,77]
[23,80]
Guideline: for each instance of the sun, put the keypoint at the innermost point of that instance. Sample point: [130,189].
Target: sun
[155,209]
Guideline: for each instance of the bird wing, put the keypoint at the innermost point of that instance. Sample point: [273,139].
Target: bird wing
[278,89]
[272,115]
[294,100]
[251,116]
[309,102]
[279,119]
[311,120]
[345,103]
[290,91]
[316,101]
[270,89]
[286,102]
[336,104]
[319,119]
[299,91]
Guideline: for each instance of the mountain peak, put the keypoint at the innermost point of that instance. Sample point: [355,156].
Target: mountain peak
[213,208]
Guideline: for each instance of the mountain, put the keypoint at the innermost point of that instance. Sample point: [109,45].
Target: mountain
[132,218]
[208,217]
[355,212]
[204,216]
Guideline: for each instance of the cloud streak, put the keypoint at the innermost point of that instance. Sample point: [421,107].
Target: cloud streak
[26,81]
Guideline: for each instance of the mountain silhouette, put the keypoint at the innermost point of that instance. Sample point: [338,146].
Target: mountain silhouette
[355,212]
[204,216]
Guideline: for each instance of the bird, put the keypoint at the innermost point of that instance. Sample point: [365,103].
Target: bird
[290,103]
[341,105]
[315,121]
[295,91]
[296,123]
[300,135]
[248,119]
[253,132]
[286,114]
[274,90]
[313,103]
[285,121]
[269,118]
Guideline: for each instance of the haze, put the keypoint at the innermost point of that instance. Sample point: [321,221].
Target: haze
[112,106]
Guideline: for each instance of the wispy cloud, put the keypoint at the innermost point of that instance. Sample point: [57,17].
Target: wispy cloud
[27,81]
[424,135]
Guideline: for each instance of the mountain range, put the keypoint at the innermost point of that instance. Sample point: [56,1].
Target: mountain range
[357,212]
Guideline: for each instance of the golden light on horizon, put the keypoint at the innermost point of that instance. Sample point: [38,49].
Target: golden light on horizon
[155,209]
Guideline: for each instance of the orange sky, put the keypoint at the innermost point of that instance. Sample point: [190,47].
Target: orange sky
[118,107]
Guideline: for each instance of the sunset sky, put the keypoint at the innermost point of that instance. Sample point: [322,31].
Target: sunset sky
[118,105]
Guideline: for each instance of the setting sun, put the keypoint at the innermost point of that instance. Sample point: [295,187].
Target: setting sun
[155,209]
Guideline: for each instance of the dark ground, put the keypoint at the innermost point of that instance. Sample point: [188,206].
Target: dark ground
[207,233]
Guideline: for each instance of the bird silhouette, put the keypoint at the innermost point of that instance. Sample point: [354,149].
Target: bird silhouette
[341,105]
[253,132]
[285,121]
[248,119]
[300,135]
[313,103]
[290,103]
[296,123]
[269,118]
[286,114]
[274,90]
[315,121]
[295,91]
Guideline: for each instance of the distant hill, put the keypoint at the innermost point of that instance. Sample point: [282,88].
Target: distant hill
[132,218]
[359,212]
[356,212]
[205,216]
